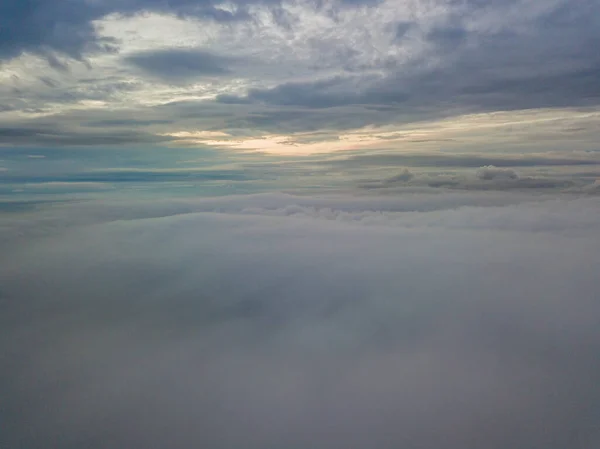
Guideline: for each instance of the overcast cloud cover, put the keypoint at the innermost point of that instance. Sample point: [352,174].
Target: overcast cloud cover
[183,72]
[299,224]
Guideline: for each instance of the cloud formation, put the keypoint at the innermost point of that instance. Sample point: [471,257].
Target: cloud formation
[281,67]
[490,172]
[179,64]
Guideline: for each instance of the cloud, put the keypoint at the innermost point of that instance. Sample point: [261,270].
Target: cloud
[406,175]
[490,172]
[44,26]
[29,135]
[327,93]
[592,188]
[440,159]
[440,91]
[448,328]
[402,178]
[470,60]
[125,122]
[271,203]
[180,65]
[124,176]
[484,178]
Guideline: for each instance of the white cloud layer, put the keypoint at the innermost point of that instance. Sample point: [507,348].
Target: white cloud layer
[440,321]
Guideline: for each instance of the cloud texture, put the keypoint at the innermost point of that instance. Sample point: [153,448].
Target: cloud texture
[271,67]
[450,321]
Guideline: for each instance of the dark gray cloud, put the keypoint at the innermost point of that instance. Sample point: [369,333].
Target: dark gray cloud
[488,178]
[359,327]
[462,160]
[49,82]
[448,37]
[329,93]
[180,65]
[125,122]
[440,92]
[490,172]
[43,26]
[402,28]
[124,176]
[30,135]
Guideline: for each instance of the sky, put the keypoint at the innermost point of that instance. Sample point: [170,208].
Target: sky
[301,76]
[314,86]
[289,224]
